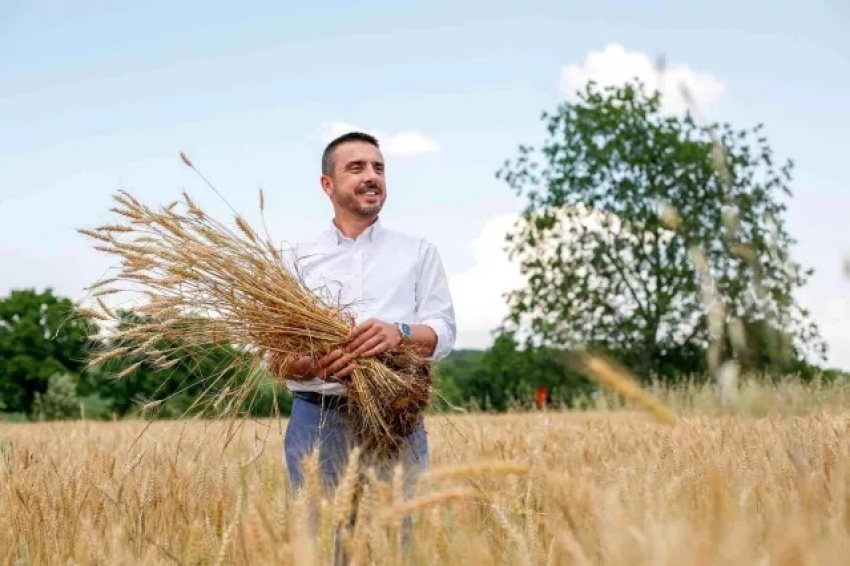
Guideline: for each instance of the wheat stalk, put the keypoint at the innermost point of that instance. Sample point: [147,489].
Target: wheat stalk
[623,382]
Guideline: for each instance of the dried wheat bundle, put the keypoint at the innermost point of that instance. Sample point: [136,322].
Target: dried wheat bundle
[207,284]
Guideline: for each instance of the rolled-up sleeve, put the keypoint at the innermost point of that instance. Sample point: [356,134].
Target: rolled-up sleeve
[434,305]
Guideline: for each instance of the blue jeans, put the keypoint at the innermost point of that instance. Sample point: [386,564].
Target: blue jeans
[310,426]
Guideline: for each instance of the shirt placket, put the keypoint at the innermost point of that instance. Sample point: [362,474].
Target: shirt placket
[357,271]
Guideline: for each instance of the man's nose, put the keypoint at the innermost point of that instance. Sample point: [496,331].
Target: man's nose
[371,174]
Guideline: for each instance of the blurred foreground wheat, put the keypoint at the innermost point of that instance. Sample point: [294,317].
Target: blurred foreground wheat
[552,488]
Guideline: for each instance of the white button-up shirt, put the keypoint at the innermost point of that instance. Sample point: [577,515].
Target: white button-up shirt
[383,274]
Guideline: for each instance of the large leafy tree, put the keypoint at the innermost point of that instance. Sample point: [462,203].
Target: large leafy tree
[648,235]
[39,336]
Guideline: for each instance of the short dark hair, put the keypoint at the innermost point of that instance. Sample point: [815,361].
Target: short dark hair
[328,154]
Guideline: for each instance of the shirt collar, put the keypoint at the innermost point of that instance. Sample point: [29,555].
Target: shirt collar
[370,234]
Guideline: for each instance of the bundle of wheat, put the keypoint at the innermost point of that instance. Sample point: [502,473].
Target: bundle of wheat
[206,284]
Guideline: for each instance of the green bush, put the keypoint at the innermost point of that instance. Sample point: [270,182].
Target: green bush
[59,401]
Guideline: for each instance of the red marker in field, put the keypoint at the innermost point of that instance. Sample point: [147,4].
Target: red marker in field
[542,395]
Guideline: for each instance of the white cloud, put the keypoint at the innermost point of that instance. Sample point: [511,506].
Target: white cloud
[406,143]
[614,65]
[477,293]
[829,308]
[831,319]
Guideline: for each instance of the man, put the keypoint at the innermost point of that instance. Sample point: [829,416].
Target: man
[396,286]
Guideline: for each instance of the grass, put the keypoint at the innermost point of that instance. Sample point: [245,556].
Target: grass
[725,485]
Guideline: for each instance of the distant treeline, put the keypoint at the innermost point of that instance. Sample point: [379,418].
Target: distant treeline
[44,353]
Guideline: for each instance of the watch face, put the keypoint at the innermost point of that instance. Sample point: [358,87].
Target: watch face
[405,329]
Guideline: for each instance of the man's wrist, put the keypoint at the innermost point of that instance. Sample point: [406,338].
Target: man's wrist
[424,338]
[405,332]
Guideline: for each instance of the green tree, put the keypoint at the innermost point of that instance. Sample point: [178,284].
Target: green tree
[510,372]
[59,401]
[189,384]
[453,375]
[605,270]
[39,336]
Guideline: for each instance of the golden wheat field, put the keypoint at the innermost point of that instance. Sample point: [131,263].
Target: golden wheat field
[763,485]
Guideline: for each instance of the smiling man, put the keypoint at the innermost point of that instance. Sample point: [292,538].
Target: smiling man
[395,284]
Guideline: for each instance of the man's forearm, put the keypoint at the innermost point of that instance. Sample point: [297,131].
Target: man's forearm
[424,337]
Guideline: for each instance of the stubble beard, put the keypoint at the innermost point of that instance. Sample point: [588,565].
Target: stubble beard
[351,204]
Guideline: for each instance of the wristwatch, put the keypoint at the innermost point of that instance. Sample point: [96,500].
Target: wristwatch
[405,331]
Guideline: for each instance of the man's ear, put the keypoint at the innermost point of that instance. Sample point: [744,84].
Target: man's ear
[327,184]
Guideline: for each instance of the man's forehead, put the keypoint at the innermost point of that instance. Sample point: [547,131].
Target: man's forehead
[358,151]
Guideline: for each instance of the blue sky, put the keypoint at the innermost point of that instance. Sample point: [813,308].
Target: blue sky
[95,96]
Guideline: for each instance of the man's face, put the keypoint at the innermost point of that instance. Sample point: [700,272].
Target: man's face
[358,184]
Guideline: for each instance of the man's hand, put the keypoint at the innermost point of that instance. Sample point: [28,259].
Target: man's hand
[370,338]
[334,364]
[373,337]
[302,368]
